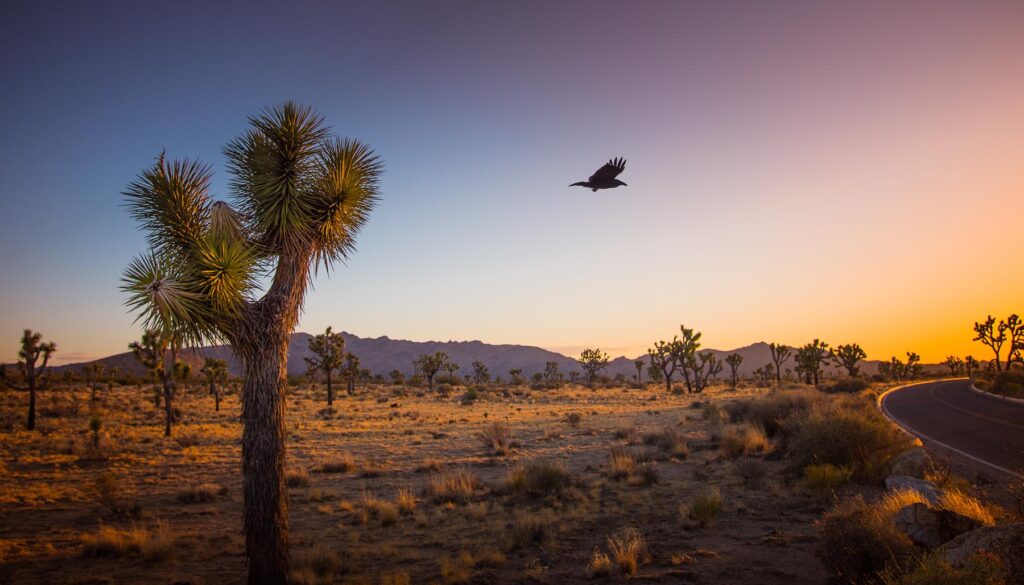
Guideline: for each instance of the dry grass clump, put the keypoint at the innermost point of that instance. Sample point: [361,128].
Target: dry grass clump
[646,474]
[894,501]
[497,437]
[297,478]
[457,570]
[202,493]
[530,529]
[714,414]
[744,439]
[573,419]
[847,432]
[629,549]
[396,578]
[621,463]
[431,465]
[318,566]
[704,508]
[457,486]
[770,412]
[599,565]
[981,569]
[109,542]
[537,478]
[966,505]
[860,541]
[343,464]
[669,442]
[371,468]
[405,501]
[109,491]
[383,510]
[826,477]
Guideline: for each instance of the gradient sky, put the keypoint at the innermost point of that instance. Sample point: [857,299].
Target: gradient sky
[852,171]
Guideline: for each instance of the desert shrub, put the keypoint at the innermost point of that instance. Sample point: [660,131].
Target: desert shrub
[497,437]
[980,569]
[152,545]
[470,396]
[826,477]
[851,434]
[530,529]
[297,478]
[537,478]
[626,433]
[344,463]
[628,549]
[744,439]
[109,491]
[1008,383]
[456,486]
[769,412]
[669,442]
[621,463]
[371,468]
[201,493]
[379,509]
[599,565]
[751,470]
[844,385]
[704,508]
[396,578]
[573,419]
[858,542]
[714,414]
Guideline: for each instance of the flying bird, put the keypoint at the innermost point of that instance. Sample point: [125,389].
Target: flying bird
[604,178]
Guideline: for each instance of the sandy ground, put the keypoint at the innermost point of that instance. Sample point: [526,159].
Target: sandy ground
[765,533]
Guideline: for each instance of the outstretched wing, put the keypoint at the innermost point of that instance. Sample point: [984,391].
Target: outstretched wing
[609,171]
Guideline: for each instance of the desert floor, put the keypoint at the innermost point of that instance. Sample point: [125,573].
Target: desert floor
[345,526]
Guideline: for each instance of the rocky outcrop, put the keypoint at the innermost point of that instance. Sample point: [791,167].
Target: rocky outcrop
[912,463]
[926,488]
[1005,541]
[931,527]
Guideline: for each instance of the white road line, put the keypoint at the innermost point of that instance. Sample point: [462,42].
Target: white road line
[909,429]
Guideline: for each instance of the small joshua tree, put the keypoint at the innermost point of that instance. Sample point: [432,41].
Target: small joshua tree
[912,369]
[95,424]
[397,378]
[351,372]
[954,363]
[215,372]
[847,356]
[734,360]
[639,365]
[451,367]
[33,377]
[429,365]
[153,352]
[765,374]
[992,335]
[93,372]
[970,365]
[480,373]
[516,376]
[552,375]
[780,353]
[328,349]
[663,357]
[593,361]
[809,359]
[703,367]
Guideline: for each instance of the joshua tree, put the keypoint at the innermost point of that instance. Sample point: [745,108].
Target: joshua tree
[451,367]
[639,365]
[93,372]
[397,377]
[480,373]
[780,353]
[429,365]
[847,356]
[703,367]
[152,352]
[33,377]
[593,361]
[954,364]
[765,373]
[351,373]
[301,197]
[516,375]
[913,367]
[328,349]
[215,371]
[686,354]
[809,359]
[664,359]
[992,335]
[970,364]
[552,377]
[1015,328]
[654,374]
[734,360]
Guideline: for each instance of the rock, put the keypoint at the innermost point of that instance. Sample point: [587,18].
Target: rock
[931,527]
[929,490]
[1005,541]
[912,463]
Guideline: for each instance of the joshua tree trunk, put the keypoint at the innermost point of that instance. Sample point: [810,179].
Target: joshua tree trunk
[330,390]
[31,423]
[216,399]
[168,413]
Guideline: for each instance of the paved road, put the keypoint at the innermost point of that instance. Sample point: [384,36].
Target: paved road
[974,426]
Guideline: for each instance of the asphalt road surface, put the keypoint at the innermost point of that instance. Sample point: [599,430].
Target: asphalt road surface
[979,428]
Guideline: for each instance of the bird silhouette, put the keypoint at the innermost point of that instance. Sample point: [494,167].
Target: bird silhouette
[604,178]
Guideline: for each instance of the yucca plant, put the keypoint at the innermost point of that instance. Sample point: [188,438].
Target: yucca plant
[157,350]
[215,372]
[239,272]
[328,355]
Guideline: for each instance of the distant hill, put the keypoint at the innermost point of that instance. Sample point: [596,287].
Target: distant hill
[381,355]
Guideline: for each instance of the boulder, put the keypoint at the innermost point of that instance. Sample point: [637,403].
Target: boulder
[929,490]
[1005,541]
[912,463]
[931,527]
